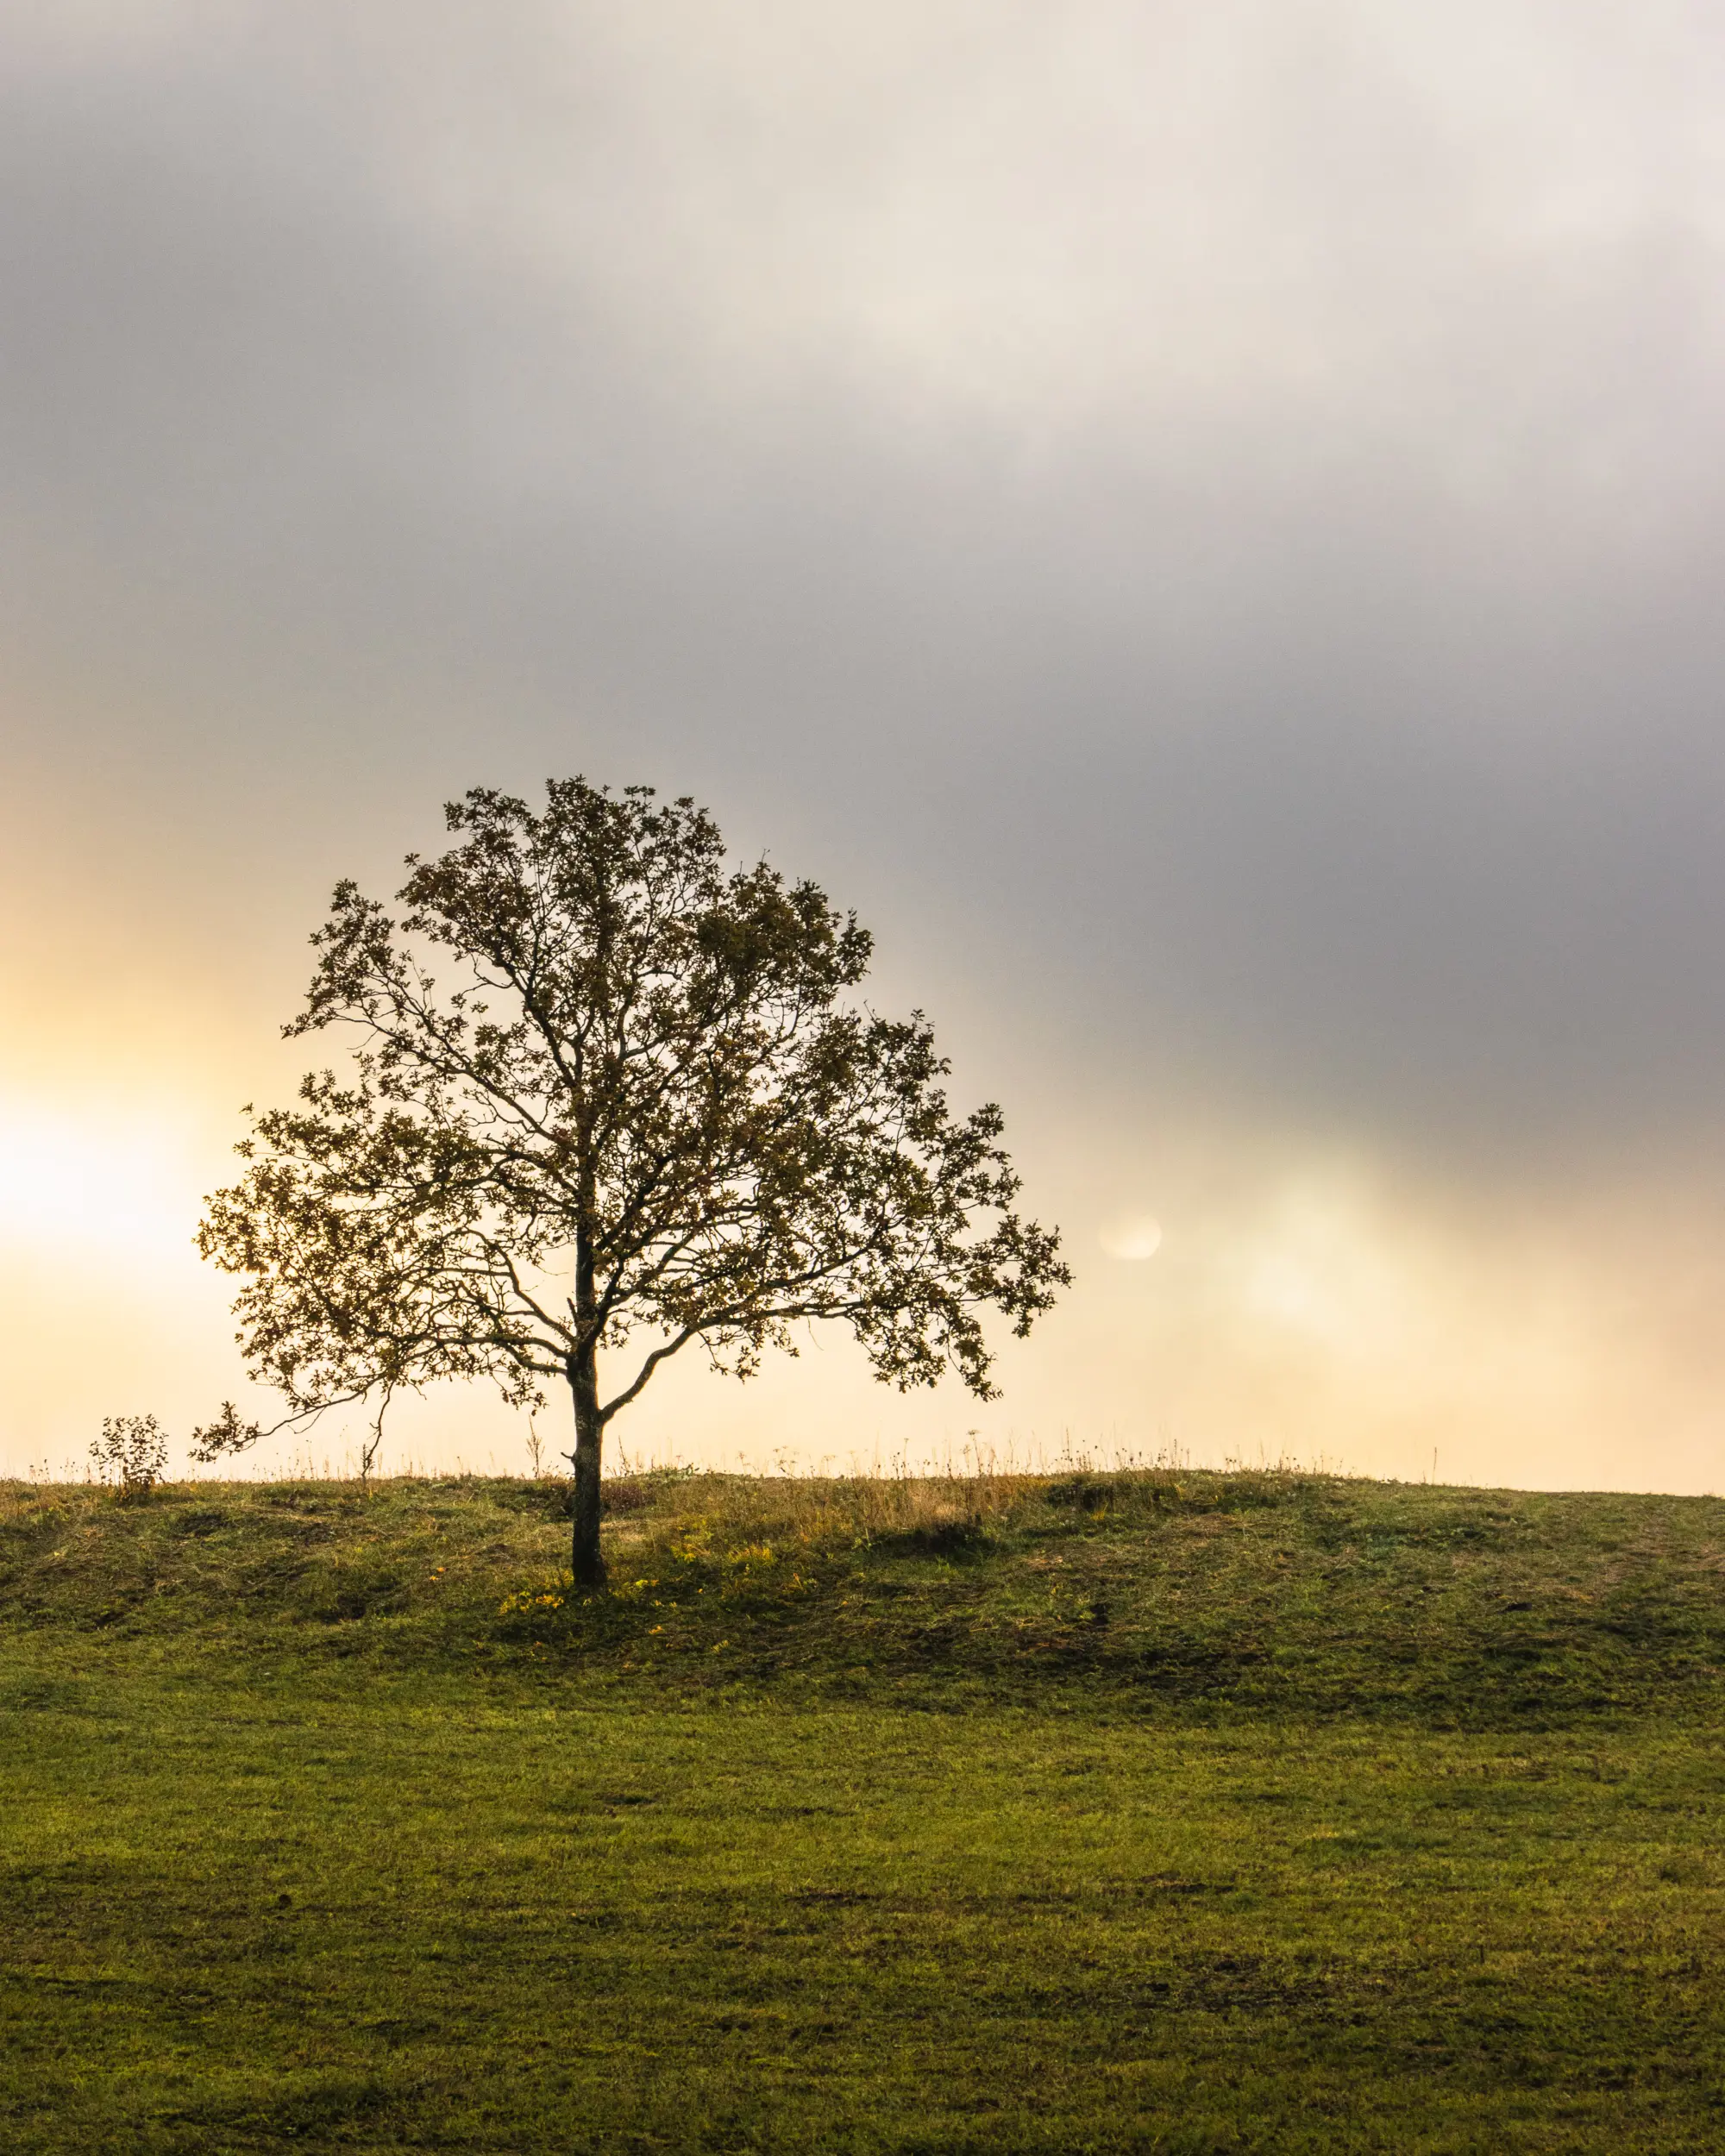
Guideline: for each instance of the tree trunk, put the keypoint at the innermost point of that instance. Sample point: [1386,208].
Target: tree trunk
[585,1560]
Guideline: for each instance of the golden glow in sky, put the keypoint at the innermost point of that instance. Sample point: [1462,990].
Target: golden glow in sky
[79,1190]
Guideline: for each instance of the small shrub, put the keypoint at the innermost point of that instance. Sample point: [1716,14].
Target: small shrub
[131,1451]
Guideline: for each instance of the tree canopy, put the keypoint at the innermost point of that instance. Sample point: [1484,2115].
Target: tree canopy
[610,1097]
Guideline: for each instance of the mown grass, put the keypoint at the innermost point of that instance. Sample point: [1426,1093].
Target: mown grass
[1192,1813]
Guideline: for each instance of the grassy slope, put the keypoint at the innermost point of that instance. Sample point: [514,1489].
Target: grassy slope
[1196,1814]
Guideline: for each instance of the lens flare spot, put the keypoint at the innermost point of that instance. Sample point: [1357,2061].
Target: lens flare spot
[1133,1237]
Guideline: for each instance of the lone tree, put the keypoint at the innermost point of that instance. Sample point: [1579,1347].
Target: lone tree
[642,1109]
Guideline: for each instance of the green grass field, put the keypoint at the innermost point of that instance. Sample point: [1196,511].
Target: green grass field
[1192,1813]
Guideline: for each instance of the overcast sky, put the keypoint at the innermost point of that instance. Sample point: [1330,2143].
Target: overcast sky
[1204,523]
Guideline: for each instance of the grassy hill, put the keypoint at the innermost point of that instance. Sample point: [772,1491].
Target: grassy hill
[1188,1813]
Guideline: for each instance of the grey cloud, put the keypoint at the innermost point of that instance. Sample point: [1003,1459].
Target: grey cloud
[1253,564]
